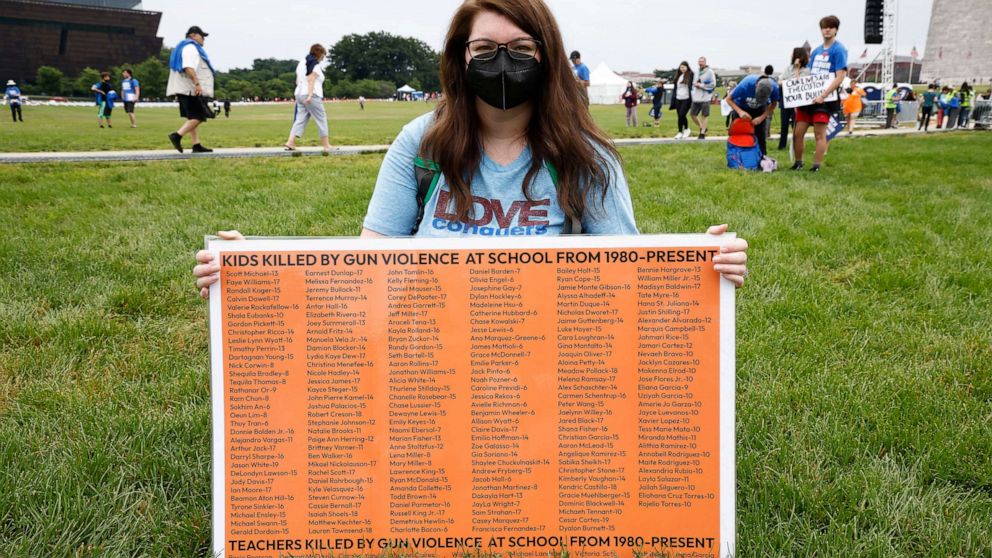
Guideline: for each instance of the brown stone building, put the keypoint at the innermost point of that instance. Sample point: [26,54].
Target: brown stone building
[73,35]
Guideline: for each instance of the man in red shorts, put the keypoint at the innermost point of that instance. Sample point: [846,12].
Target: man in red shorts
[830,57]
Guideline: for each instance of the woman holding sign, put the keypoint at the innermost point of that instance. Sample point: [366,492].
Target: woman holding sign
[828,58]
[798,69]
[510,150]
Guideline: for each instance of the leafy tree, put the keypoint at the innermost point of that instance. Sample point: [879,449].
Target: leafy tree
[276,88]
[370,88]
[267,78]
[239,88]
[382,56]
[50,81]
[668,75]
[153,76]
[86,79]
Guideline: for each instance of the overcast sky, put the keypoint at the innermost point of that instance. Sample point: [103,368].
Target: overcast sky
[639,35]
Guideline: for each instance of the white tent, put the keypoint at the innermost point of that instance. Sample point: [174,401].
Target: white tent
[405,89]
[605,87]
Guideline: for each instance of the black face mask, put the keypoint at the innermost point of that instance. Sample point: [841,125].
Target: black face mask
[504,82]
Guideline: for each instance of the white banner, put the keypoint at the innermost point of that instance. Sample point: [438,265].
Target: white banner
[800,92]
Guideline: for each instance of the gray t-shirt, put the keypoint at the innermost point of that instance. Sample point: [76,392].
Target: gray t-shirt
[704,92]
[500,208]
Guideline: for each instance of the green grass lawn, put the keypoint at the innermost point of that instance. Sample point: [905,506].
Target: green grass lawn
[864,362]
[75,128]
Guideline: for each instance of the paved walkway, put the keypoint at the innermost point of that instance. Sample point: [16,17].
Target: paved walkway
[249,152]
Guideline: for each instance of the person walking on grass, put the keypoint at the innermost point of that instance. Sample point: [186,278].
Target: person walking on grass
[511,131]
[191,81]
[657,99]
[361,102]
[682,99]
[797,69]
[13,97]
[131,90]
[102,89]
[702,93]
[310,98]
[828,58]
[227,108]
[629,98]
[853,105]
[929,97]
[892,98]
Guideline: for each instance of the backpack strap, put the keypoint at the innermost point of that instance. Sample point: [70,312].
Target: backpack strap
[571,225]
[428,174]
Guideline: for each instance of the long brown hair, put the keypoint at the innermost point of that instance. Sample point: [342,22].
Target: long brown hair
[688,75]
[560,131]
[799,53]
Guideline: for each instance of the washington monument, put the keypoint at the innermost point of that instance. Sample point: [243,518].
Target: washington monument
[959,43]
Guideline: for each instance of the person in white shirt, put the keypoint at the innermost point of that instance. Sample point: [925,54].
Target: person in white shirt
[310,98]
[191,80]
[682,99]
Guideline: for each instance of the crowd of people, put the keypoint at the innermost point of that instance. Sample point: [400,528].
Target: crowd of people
[691,95]
[757,96]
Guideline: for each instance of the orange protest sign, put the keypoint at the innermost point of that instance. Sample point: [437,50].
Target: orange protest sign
[488,396]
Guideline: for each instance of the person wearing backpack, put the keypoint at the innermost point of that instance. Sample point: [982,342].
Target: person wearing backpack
[509,150]
[755,98]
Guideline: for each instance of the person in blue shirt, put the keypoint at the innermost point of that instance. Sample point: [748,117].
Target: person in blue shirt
[755,98]
[509,151]
[828,58]
[581,73]
[131,91]
[13,97]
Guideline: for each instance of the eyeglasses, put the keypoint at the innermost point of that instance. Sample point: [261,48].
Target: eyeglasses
[518,49]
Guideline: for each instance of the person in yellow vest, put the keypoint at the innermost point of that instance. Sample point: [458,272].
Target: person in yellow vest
[967,95]
[892,98]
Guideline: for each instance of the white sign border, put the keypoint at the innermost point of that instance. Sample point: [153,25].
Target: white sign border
[834,96]
[728,349]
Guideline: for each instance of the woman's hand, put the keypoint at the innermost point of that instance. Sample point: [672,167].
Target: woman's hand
[207,272]
[731,262]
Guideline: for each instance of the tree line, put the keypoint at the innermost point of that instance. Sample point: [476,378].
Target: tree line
[373,65]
